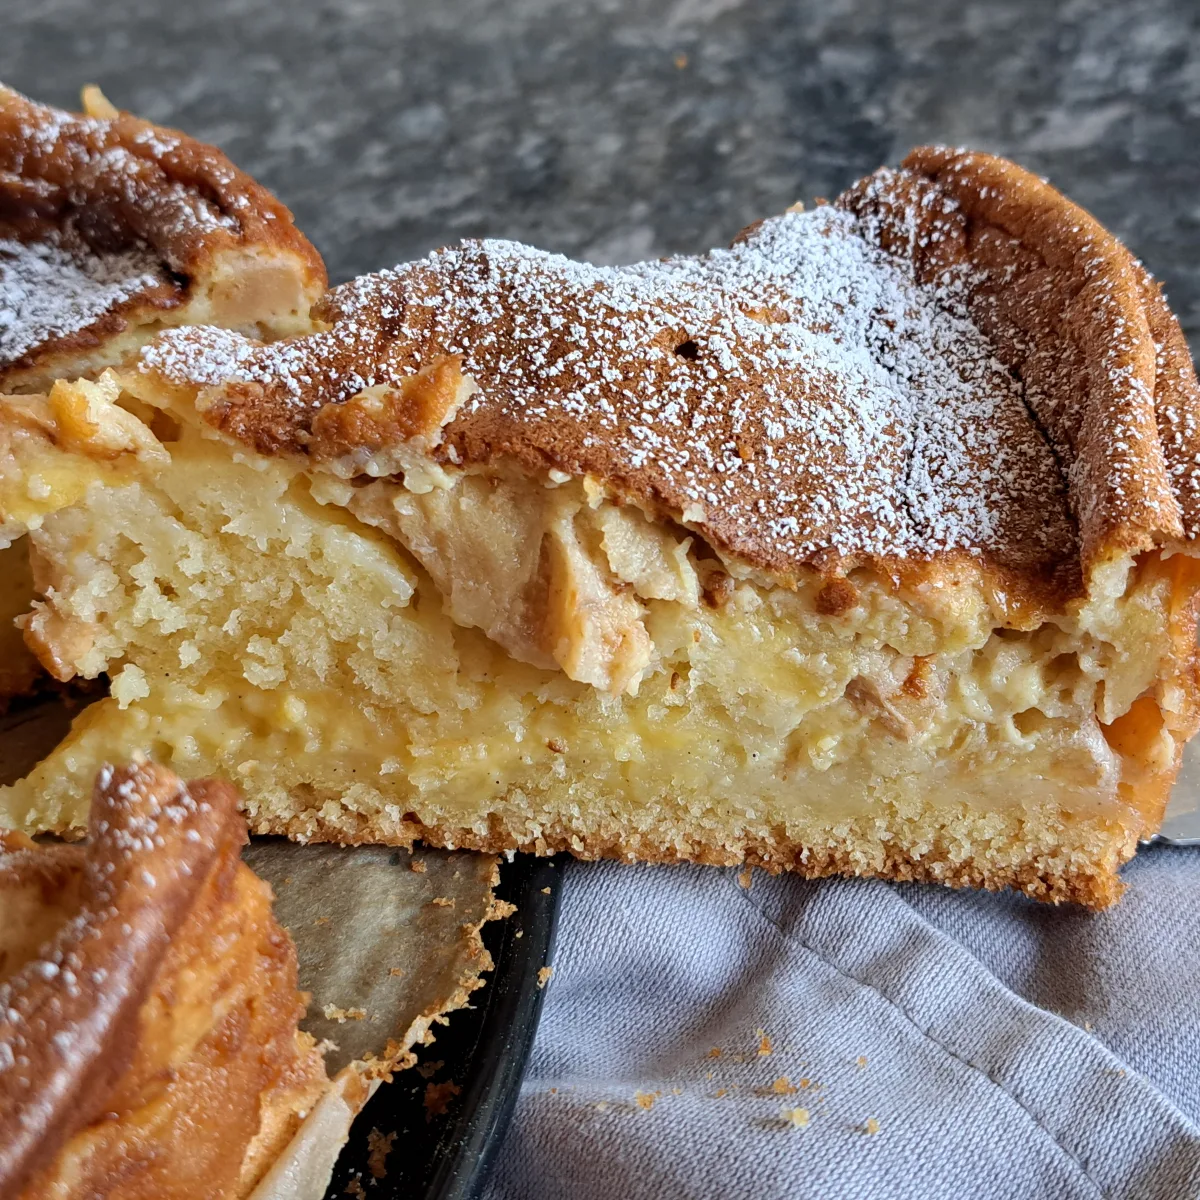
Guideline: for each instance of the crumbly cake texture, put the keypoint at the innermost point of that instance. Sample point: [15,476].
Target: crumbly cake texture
[863,546]
[146,993]
[112,228]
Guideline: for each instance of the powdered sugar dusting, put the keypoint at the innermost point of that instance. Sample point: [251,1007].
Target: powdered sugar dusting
[800,392]
[147,833]
[48,291]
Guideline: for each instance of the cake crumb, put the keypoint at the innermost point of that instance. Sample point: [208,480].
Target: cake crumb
[602,1107]
[681,61]
[860,1061]
[796,1117]
[395,972]
[872,1127]
[764,1043]
[417,865]
[677,1091]
[379,1146]
[443,901]
[355,1188]
[544,976]
[438,1097]
[427,1070]
[646,1099]
[545,891]
[715,1052]
[720,1092]
[746,878]
[805,1082]
[322,921]
[783,1086]
[332,1012]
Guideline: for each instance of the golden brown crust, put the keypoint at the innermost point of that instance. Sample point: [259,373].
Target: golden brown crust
[1041,461]
[1103,362]
[116,1014]
[1090,879]
[154,218]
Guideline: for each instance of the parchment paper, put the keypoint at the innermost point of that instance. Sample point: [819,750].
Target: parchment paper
[384,949]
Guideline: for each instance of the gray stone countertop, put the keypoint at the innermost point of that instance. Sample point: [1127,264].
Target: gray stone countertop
[619,129]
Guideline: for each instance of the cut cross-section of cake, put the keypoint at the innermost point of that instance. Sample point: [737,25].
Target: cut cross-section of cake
[112,229]
[865,545]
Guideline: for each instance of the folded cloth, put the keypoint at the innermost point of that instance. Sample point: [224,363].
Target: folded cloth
[851,1038]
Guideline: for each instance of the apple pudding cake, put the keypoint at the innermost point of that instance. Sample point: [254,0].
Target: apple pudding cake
[865,545]
[112,229]
[148,1005]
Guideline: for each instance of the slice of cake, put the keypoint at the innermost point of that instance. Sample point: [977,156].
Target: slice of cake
[112,229]
[148,1005]
[863,546]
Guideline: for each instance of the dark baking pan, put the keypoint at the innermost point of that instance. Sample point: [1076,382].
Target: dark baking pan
[483,1052]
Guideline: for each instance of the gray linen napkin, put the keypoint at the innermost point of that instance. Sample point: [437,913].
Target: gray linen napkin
[940,1044]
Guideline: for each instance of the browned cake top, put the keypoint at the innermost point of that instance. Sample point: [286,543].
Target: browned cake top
[68,1016]
[101,217]
[952,361]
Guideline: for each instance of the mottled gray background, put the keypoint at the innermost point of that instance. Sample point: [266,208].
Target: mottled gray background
[617,129]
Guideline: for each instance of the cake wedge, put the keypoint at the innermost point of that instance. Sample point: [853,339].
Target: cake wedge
[865,546]
[149,1033]
[111,229]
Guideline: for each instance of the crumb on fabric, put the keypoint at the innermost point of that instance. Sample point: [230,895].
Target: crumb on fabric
[681,61]
[545,891]
[783,1086]
[872,1127]
[646,1099]
[797,1118]
[764,1043]
[715,1052]
[860,1061]
[438,1097]
[379,1146]
[602,1106]
[746,878]
[544,976]
[720,1092]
